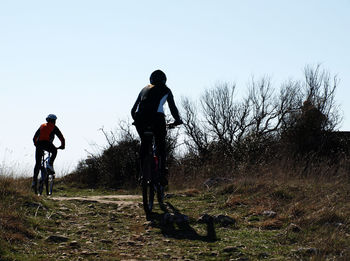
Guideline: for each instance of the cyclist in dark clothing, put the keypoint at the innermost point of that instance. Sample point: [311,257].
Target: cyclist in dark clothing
[148,112]
[43,139]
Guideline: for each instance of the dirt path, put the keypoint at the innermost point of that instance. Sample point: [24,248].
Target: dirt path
[121,200]
[114,227]
[106,227]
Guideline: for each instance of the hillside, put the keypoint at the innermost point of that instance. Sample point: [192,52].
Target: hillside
[253,219]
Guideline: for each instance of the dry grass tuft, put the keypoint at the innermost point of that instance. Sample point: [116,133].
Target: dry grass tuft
[191,192]
[270,224]
[234,201]
[257,210]
[319,206]
[14,193]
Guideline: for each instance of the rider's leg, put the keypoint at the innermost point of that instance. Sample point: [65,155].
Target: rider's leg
[53,151]
[143,149]
[38,155]
[141,123]
[48,146]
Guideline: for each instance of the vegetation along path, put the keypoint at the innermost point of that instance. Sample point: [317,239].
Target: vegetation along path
[225,224]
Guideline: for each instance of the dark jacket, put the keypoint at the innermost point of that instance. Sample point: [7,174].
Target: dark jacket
[150,102]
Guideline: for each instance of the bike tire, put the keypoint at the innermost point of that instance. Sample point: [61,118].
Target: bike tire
[147,189]
[160,196]
[47,183]
[41,181]
[148,198]
[50,184]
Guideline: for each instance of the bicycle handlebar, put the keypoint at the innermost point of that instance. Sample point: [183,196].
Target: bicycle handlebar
[168,125]
[173,125]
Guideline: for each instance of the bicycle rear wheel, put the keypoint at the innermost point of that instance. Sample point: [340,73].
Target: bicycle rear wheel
[160,196]
[147,186]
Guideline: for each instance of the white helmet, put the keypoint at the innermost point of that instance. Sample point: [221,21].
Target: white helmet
[51,117]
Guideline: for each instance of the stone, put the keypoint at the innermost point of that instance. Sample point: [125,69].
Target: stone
[224,220]
[106,241]
[309,251]
[74,244]
[294,228]
[243,258]
[269,213]
[169,195]
[230,249]
[87,253]
[57,238]
[217,181]
[131,243]
[263,255]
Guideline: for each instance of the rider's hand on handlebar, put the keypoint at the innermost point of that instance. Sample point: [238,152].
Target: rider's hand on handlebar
[174,124]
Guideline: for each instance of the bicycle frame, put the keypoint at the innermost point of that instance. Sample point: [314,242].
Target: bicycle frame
[46,176]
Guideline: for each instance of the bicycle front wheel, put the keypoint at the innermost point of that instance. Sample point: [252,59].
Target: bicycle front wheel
[42,180]
[50,184]
[148,198]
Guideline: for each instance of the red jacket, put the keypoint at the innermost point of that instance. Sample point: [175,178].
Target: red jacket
[47,132]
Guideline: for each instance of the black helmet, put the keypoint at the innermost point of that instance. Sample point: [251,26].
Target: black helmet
[51,117]
[157,77]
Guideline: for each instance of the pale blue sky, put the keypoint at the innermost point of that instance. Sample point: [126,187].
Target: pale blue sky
[87,60]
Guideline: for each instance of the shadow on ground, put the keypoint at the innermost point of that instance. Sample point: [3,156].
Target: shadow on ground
[174,224]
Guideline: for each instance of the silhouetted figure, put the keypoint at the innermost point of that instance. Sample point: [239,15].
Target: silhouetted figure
[148,112]
[42,140]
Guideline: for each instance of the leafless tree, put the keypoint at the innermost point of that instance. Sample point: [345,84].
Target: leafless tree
[220,112]
[264,107]
[262,118]
[320,90]
[198,138]
[272,111]
[289,101]
[125,131]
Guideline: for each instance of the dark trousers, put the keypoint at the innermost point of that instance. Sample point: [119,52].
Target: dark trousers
[40,147]
[158,128]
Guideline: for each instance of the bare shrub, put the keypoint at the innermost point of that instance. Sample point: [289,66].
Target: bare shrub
[289,126]
[117,164]
[197,141]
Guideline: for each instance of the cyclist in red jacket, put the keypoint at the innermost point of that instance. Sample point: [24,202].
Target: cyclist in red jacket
[43,139]
[148,111]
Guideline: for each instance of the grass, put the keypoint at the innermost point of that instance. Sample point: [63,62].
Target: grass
[16,201]
[311,221]
[321,208]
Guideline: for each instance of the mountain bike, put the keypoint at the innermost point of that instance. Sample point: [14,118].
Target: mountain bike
[46,175]
[150,173]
